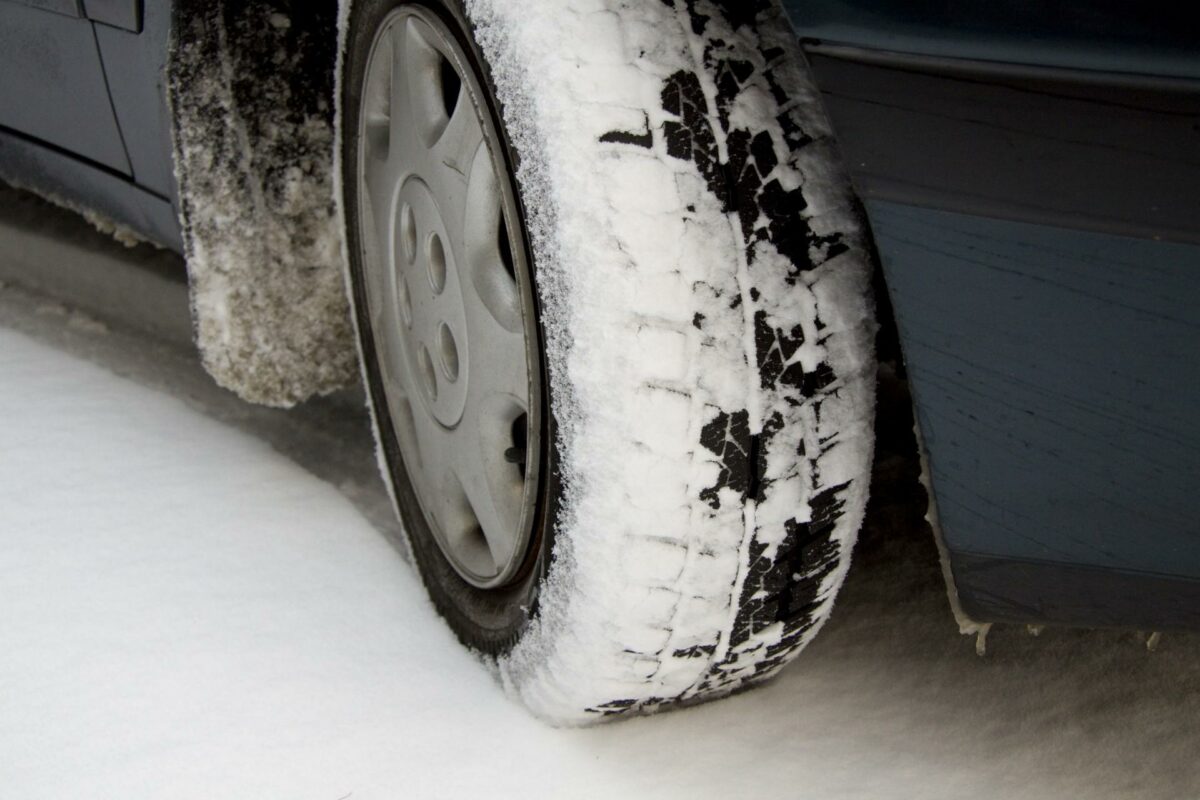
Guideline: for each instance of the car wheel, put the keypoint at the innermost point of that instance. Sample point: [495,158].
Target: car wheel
[612,304]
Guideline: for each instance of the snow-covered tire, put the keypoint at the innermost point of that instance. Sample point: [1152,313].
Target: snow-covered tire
[707,328]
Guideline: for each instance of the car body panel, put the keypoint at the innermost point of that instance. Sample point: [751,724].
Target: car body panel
[1115,36]
[124,14]
[1055,375]
[1037,592]
[135,65]
[81,185]
[83,114]
[1033,187]
[52,86]
[1096,151]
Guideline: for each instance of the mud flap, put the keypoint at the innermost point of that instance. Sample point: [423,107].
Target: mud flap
[250,87]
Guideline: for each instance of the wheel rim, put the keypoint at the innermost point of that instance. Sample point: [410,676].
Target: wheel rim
[449,297]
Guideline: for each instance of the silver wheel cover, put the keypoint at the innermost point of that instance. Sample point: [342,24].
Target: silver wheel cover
[449,296]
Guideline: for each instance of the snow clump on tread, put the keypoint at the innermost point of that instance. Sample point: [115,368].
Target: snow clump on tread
[705,291]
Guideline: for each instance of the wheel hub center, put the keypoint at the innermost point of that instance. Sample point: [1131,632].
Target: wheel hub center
[428,292]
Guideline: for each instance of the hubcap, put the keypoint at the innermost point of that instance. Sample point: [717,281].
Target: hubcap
[449,296]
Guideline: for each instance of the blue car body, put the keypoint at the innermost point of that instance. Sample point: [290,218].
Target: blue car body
[1031,174]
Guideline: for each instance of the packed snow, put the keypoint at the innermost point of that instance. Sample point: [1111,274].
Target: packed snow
[188,612]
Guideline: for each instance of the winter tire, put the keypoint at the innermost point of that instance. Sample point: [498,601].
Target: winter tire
[617,337]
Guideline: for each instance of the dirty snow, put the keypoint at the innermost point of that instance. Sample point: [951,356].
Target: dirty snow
[252,154]
[101,222]
[188,613]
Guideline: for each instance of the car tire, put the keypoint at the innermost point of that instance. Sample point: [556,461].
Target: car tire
[693,286]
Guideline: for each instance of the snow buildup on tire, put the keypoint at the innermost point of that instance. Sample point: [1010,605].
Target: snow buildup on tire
[705,293]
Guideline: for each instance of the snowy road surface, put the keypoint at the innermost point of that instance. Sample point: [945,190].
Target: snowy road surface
[200,599]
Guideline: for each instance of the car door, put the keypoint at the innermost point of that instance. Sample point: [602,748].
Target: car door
[52,86]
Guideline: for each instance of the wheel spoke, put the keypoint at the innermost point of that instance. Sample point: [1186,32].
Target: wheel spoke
[493,485]
[498,360]
[376,146]
[435,474]
[468,543]
[418,114]
[458,495]
[404,424]
[381,185]
[494,285]
[451,156]
[483,216]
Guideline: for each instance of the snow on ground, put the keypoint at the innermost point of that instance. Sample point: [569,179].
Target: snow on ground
[200,599]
